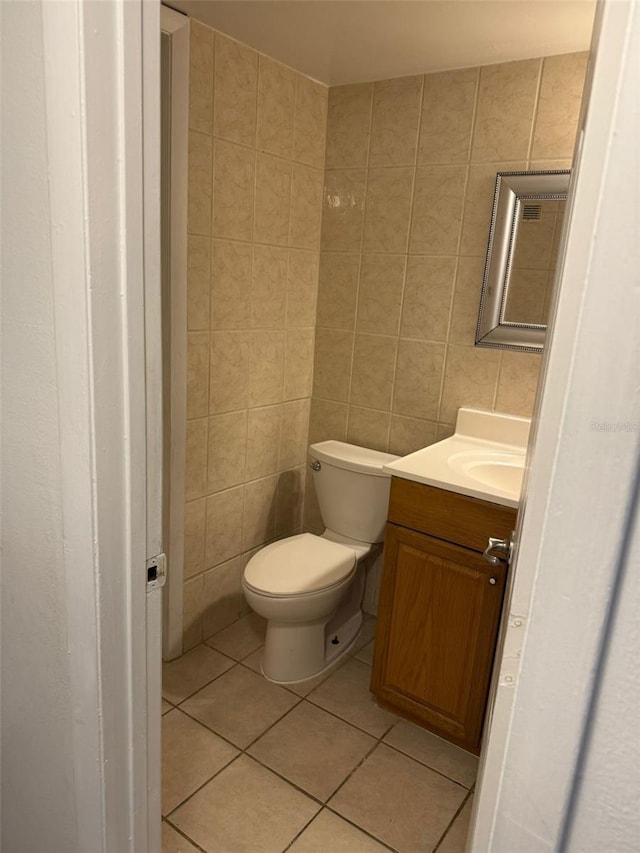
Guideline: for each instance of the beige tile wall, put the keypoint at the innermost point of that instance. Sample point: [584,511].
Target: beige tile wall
[256,159]
[410,172]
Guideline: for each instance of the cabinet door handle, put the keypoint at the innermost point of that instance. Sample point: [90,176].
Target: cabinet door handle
[502,546]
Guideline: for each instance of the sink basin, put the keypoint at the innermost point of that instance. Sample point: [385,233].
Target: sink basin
[485,458]
[502,471]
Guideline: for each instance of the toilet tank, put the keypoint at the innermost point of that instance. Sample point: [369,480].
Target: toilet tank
[352,488]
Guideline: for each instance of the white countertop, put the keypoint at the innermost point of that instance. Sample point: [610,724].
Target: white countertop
[484,459]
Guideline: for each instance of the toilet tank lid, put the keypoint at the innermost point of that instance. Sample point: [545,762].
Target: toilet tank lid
[352,458]
[299,564]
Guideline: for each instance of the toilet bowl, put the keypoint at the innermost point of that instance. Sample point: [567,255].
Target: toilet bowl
[309,588]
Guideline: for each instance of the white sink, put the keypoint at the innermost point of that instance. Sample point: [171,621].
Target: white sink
[498,470]
[484,459]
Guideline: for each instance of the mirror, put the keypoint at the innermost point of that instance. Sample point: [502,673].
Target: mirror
[524,239]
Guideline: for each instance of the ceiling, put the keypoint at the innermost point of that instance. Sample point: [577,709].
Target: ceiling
[349,41]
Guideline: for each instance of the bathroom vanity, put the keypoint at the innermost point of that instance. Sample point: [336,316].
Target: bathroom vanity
[440,599]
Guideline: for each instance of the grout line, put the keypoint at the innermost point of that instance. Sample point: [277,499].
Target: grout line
[362,829]
[534,117]
[452,821]
[184,835]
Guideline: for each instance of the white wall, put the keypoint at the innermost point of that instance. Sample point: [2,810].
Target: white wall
[38,796]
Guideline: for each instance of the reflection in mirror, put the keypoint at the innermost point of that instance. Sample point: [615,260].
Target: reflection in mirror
[534,261]
[522,254]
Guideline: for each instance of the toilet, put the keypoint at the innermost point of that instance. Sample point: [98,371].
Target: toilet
[309,588]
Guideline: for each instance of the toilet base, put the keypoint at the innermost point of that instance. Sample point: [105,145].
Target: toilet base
[295,653]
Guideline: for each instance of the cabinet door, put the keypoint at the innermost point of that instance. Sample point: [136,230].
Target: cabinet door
[437,626]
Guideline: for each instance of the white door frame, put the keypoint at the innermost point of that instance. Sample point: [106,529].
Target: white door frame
[103,251]
[177,26]
[573,545]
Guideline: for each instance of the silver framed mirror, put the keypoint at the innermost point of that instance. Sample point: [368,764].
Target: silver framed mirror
[522,253]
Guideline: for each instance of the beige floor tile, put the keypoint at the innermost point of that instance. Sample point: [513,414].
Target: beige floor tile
[440,755]
[190,755]
[240,705]
[455,841]
[399,801]
[304,688]
[346,693]
[246,809]
[328,833]
[254,660]
[312,749]
[185,675]
[366,654]
[240,639]
[166,706]
[173,842]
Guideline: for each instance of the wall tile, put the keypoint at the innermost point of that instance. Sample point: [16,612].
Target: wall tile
[194,533]
[310,122]
[470,380]
[466,301]
[448,105]
[418,379]
[506,102]
[302,288]
[273,195]
[380,293]
[410,434]
[199,190]
[478,205]
[230,285]
[263,441]
[227,451]
[276,105]
[388,209]
[396,116]
[229,371]
[338,290]
[327,421]
[259,512]
[348,125]
[518,383]
[201,78]
[269,287]
[293,438]
[368,428]
[559,105]
[192,612]
[374,359]
[195,459]
[266,368]
[427,297]
[236,88]
[306,207]
[198,282]
[437,209]
[332,364]
[343,210]
[298,372]
[233,191]
[224,526]
[197,374]
[222,600]
[289,502]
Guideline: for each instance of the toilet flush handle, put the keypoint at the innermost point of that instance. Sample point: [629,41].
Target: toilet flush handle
[315,465]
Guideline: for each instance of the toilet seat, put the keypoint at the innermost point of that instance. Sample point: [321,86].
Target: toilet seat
[299,565]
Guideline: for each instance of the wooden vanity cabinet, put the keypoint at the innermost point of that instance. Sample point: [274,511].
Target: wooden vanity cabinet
[439,609]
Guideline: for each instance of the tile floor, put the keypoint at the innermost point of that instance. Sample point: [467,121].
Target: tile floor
[251,767]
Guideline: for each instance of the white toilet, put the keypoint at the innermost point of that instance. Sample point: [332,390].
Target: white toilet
[309,587]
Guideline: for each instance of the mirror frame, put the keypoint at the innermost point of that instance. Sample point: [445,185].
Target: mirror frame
[512,188]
